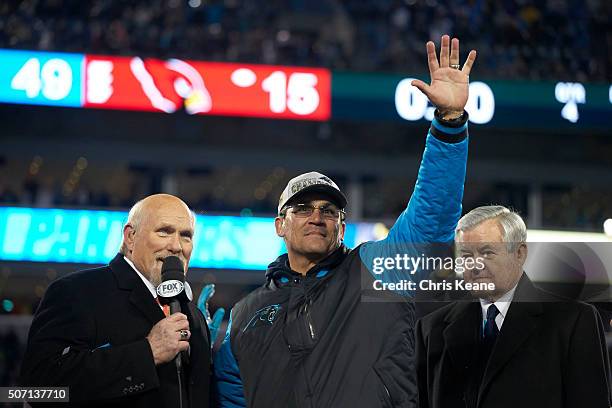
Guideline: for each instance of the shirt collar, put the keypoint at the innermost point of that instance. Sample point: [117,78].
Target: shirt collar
[502,304]
[149,285]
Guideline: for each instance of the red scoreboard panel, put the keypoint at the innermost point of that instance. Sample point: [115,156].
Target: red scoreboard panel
[206,88]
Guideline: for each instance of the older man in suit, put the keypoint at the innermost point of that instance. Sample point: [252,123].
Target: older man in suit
[102,333]
[516,346]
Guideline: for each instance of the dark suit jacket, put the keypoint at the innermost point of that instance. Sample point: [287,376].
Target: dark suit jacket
[89,333]
[549,353]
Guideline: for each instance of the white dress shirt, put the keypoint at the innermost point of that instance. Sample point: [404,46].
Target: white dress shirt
[502,304]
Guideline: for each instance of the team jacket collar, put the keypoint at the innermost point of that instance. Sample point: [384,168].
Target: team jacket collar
[280,267]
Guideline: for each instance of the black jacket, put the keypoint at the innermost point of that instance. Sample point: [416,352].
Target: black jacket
[89,333]
[359,355]
[550,353]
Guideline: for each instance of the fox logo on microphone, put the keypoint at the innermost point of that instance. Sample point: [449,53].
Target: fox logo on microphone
[170,288]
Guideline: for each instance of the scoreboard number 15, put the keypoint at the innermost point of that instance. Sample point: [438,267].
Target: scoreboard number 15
[299,95]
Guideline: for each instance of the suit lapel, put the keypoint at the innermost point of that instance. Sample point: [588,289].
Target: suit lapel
[461,335]
[140,297]
[519,324]
[197,343]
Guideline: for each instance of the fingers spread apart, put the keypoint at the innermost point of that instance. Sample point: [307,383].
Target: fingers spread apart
[449,56]
[467,67]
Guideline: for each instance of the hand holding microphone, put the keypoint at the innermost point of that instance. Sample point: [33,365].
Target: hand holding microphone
[166,340]
[170,335]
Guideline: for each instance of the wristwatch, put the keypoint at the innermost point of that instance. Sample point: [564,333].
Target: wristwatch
[455,122]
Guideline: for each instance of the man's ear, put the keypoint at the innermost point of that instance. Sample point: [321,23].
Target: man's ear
[342,230]
[129,236]
[279,225]
[521,253]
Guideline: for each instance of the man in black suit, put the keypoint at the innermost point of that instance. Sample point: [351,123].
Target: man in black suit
[102,333]
[517,346]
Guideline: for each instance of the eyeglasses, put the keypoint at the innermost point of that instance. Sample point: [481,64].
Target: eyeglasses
[329,212]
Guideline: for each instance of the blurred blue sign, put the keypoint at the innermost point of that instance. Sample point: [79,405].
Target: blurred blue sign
[94,237]
[41,78]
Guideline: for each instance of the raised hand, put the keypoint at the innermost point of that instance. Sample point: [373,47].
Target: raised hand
[448,89]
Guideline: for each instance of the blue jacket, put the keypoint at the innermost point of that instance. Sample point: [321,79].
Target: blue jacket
[321,340]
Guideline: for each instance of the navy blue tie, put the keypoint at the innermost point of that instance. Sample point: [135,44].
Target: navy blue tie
[490,330]
[489,336]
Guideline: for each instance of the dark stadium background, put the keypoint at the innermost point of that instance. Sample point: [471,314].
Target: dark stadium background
[558,180]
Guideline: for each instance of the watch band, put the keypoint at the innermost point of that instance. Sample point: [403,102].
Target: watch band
[458,122]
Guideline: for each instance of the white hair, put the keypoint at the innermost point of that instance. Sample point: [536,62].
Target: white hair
[134,219]
[513,226]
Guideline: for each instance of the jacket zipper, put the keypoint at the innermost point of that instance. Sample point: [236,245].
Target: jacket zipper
[387,391]
[306,310]
[385,387]
[309,320]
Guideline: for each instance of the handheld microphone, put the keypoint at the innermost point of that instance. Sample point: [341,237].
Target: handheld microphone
[173,290]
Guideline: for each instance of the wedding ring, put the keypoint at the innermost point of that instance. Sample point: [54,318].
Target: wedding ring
[184,334]
[455,66]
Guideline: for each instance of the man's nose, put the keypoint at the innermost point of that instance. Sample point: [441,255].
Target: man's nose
[317,216]
[475,270]
[174,244]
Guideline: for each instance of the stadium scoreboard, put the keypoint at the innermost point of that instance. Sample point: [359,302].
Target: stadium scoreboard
[283,92]
[133,83]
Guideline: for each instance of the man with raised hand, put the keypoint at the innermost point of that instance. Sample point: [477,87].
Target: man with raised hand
[305,338]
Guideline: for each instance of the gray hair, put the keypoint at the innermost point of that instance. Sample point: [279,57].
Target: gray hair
[513,226]
[134,219]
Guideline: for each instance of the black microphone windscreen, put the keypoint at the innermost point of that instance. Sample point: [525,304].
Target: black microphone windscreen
[172,269]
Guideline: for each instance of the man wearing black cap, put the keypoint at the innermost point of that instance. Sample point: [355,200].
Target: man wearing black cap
[305,338]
